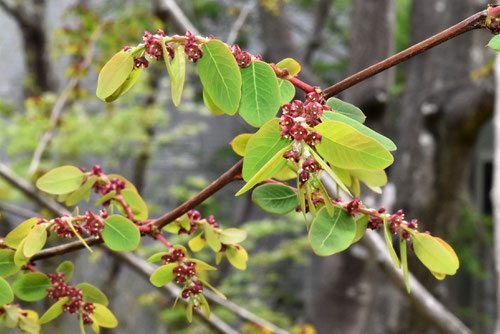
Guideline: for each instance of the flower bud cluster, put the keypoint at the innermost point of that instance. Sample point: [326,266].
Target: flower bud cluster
[60,289]
[91,223]
[243,58]
[316,199]
[185,271]
[192,50]
[194,218]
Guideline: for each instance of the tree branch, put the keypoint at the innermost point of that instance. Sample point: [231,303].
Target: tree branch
[235,29]
[178,15]
[17,13]
[475,21]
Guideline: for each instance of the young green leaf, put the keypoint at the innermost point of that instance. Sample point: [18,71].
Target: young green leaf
[237,256]
[81,192]
[54,311]
[435,254]
[326,197]
[260,99]
[312,207]
[29,324]
[494,43]
[114,74]
[287,172]
[7,264]
[126,85]
[329,235]
[200,265]
[404,261]
[6,295]
[263,145]
[67,269]
[35,240]
[176,70]
[287,91]
[211,106]
[136,203]
[346,109]
[212,240]
[205,306]
[220,76]
[278,199]
[345,147]
[232,236]
[291,65]
[17,235]
[120,234]
[361,224]
[93,294]
[217,292]
[197,243]
[31,286]
[335,116]
[239,143]
[330,171]
[104,317]
[156,257]
[373,178]
[106,198]
[19,258]
[11,316]
[189,310]
[388,242]
[61,180]
[163,275]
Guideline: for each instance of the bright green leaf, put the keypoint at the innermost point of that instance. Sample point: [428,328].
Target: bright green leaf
[239,143]
[156,257]
[189,310]
[93,294]
[7,264]
[237,256]
[31,286]
[217,292]
[35,240]
[163,275]
[286,172]
[335,116]
[287,91]
[137,205]
[404,261]
[211,106]
[291,65]
[278,199]
[346,109]
[104,316]
[54,311]
[200,265]
[220,76]
[19,258]
[212,240]
[114,74]
[329,235]
[260,97]
[120,234]
[66,268]
[81,192]
[232,236]
[345,147]
[312,207]
[435,254]
[205,306]
[106,198]
[6,295]
[126,85]
[330,171]
[374,178]
[29,325]
[328,203]
[361,224]
[17,235]
[176,70]
[388,242]
[197,243]
[61,180]
[494,43]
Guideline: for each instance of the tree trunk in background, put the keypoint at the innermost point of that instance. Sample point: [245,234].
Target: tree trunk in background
[441,113]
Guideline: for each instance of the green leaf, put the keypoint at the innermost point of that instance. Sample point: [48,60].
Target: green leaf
[176,70]
[197,243]
[330,171]
[291,65]
[312,207]
[17,235]
[185,222]
[93,294]
[361,225]
[189,310]
[114,74]
[220,76]
[61,180]
[200,265]
[104,317]
[81,192]
[373,178]
[163,275]
[335,116]
[232,236]
[217,292]
[35,240]
[54,311]
[237,256]
[136,203]
[345,147]
[6,295]
[263,145]
[106,198]
[75,232]
[211,106]
[328,203]
[19,258]
[239,143]
[329,235]
[277,199]
[29,324]
[156,257]
[286,172]
[343,175]
[205,306]
[435,254]
[260,97]
[212,240]
[287,91]
[67,269]
[126,85]
[12,316]
[268,170]
[494,43]
[404,261]
[31,286]
[388,242]
[7,265]
[120,234]
[346,109]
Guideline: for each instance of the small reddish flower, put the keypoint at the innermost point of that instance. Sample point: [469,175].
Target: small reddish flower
[298,132]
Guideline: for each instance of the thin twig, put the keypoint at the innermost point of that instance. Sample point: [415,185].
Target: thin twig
[473,22]
[17,210]
[178,15]
[59,107]
[235,29]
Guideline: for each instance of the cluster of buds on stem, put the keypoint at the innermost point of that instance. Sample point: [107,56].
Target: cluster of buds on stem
[60,289]
[91,223]
[243,58]
[184,272]
[194,217]
[315,196]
